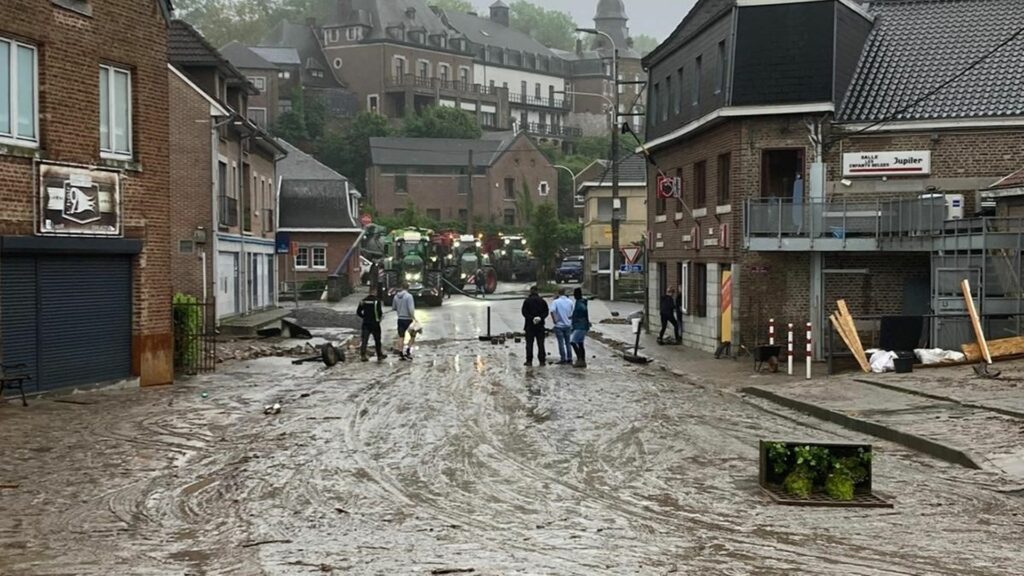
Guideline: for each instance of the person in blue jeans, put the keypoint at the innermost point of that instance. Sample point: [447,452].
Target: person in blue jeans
[580,327]
[561,315]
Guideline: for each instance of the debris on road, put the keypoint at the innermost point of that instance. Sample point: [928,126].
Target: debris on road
[438,571]
[264,542]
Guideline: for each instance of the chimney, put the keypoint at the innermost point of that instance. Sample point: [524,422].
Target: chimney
[499,13]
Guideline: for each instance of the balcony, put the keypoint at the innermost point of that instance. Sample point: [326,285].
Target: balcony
[228,211]
[520,98]
[552,131]
[779,224]
[437,84]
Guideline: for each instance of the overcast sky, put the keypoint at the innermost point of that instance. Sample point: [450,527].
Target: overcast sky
[656,18]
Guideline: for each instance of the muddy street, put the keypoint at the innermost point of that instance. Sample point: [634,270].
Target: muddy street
[462,459]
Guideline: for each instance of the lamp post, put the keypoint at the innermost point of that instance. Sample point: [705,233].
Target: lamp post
[573,175]
[613,158]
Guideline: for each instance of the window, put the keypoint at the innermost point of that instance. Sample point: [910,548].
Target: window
[536,90]
[463,213]
[510,217]
[115,111]
[544,189]
[604,209]
[522,88]
[491,85]
[401,184]
[683,273]
[724,178]
[700,188]
[185,246]
[260,82]
[671,97]
[372,102]
[677,103]
[354,33]
[284,75]
[662,279]
[622,87]
[510,188]
[434,214]
[338,63]
[463,74]
[444,71]
[399,66]
[423,70]
[258,116]
[655,96]
[722,67]
[17,92]
[311,257]
[697,69]
[700,279]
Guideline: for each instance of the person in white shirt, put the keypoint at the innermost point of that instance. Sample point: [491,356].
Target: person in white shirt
[561,315]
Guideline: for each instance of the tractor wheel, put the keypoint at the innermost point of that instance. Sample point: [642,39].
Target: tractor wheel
[491,282]
[390,281]
[434,279]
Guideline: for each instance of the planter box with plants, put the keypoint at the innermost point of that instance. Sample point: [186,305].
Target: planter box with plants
[818,474]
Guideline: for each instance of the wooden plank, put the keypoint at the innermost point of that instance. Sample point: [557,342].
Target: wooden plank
[851,342]
[857,347]
[997,348]
[965,287]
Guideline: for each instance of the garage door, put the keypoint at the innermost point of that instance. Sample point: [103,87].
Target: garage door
[67,317]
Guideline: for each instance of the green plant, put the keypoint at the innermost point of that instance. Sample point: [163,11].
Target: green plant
[778,456]
[188,326]
[800,481]
[816,458]
[839,484]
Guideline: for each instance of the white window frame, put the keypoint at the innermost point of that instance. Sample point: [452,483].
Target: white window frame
[302,251]
[371,98]
[314,251]
[684,288]
[338,63]
[353,33]
[444,72]
[468,72]
[394,64]
[110,153]
[12,137]
[260,82]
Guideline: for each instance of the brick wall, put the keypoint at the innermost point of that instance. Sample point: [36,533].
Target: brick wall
[130,33]
[192,174]
[337,244]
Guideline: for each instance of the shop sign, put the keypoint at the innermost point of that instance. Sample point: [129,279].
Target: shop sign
[75,201]
[887,163]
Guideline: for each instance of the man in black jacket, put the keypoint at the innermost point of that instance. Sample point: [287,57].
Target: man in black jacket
[371,311]
[535,311]
[668,315]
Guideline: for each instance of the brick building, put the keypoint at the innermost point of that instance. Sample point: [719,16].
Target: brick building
[509,172]
[317,210]
[223,219]
[85,285]
[809,174]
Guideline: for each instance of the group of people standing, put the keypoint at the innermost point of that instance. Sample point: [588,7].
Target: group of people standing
[571,319]
[371,310]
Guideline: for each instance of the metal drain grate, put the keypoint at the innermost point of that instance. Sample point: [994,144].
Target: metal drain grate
[860,499]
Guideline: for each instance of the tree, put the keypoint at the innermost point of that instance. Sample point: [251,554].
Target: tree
[551,28]
[291,125]
[453,5]
[348,151]
[644,44]
[441,122]
[542,242]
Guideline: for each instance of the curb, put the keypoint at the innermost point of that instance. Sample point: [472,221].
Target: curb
[912,441]
[896,388]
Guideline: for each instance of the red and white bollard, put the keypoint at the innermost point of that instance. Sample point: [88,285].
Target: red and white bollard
[771,331]
[789,349]
[809,351]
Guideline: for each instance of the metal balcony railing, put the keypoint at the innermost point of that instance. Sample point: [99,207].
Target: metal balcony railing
[538,129]
[520,98]
[414,81]
[228,211]
[841,219]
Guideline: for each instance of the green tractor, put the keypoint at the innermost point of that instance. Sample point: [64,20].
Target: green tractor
[514,261]
[463,259]
[411,257]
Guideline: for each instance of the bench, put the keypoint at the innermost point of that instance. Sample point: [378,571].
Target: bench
[13,380]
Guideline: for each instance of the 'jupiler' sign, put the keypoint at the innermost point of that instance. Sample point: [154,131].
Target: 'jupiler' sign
[887,163]
[76,201]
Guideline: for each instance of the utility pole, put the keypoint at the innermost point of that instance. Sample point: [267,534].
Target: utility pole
[469,194]
[615,171]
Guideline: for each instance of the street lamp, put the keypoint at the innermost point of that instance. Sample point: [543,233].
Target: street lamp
[613,158]
[573,175]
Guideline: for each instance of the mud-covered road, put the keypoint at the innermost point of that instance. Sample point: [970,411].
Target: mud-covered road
[460,460]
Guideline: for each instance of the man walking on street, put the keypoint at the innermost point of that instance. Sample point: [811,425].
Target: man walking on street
[371,311]
[561,315]
[580,327]
[405,305]
[668,315]
[535,311]
[480,279]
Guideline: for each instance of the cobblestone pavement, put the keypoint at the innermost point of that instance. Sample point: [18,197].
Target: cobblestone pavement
[461,459]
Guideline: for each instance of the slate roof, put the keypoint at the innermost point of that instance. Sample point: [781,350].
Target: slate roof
[187,47]
[384,14]
[436,151]
[917,45]
[242,57]
[312,195]
[304,47]
[486,32]
[632,169]
[283,56]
